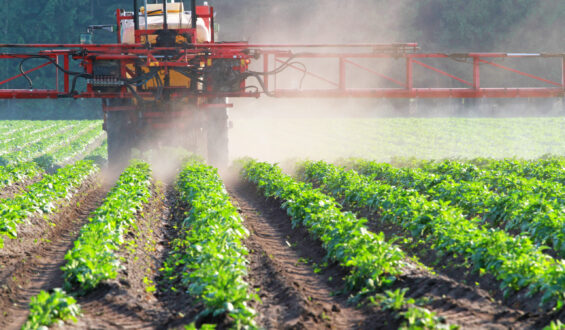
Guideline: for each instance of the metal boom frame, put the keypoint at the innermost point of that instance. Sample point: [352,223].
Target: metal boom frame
[342,58]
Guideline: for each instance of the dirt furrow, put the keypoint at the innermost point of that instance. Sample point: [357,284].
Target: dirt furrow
[32,263]
[295,292]
[127,302]
[135,299]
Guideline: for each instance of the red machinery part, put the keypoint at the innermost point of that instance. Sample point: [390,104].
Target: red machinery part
[342,58]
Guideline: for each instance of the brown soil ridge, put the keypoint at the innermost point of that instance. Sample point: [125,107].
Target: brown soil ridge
[33,263]
[282,268]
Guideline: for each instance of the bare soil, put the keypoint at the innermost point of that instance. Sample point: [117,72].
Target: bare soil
[286,266]
[32,262]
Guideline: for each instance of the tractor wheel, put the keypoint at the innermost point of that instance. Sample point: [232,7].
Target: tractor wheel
[217,134]
[120,138]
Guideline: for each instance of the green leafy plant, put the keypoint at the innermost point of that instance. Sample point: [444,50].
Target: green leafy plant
[92,258]
[208,257]
[515,261]
[42,197]
[48,308]
[373,262]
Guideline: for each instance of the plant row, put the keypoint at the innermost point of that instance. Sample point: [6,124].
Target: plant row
[373,263]
[92,258]
[208,256]
[525,208]
[70,150]
[7,128]
[16,173]
[21,139]
[42,197]
[44,146]
[25,136]
[505,179]
[514,261]
[100,154]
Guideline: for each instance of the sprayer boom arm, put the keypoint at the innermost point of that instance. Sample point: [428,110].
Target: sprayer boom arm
[358,70]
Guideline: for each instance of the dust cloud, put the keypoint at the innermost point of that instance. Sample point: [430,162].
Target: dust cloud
[280,129]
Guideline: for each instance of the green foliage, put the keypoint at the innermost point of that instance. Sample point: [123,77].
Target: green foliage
[92,259]
[77,145]
[500,198]
[515,261]
[42,197]
[100,154]
[415,317]
[208,257]
[372,261]
[555,325]
[42,148]
[46,309]
[15,173]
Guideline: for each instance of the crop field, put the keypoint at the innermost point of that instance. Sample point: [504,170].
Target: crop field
[354,243]
[276,139]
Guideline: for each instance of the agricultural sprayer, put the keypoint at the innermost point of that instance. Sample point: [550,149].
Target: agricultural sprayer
[168,80]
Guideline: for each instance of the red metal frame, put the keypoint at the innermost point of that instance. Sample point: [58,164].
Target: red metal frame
[338,87]
[344,57]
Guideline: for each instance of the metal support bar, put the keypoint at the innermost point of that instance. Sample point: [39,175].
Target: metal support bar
[342,72]
[57,73]
[409,73]
[165,25]
[397,82]
[26,72]
[521,73]
[476,73]
[66,66]
[212,27]
[310,73]
[442,72]
[193,14]
[135,15]
[266,69]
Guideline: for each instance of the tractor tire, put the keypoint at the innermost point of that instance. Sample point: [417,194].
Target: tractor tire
[120,138]
[217,134]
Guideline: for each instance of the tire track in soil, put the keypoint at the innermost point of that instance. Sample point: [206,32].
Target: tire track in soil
[293,295]
[30,267]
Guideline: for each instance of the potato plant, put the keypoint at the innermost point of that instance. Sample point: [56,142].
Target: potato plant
[92,258]
[42,197]
[208,257]
[515,261]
